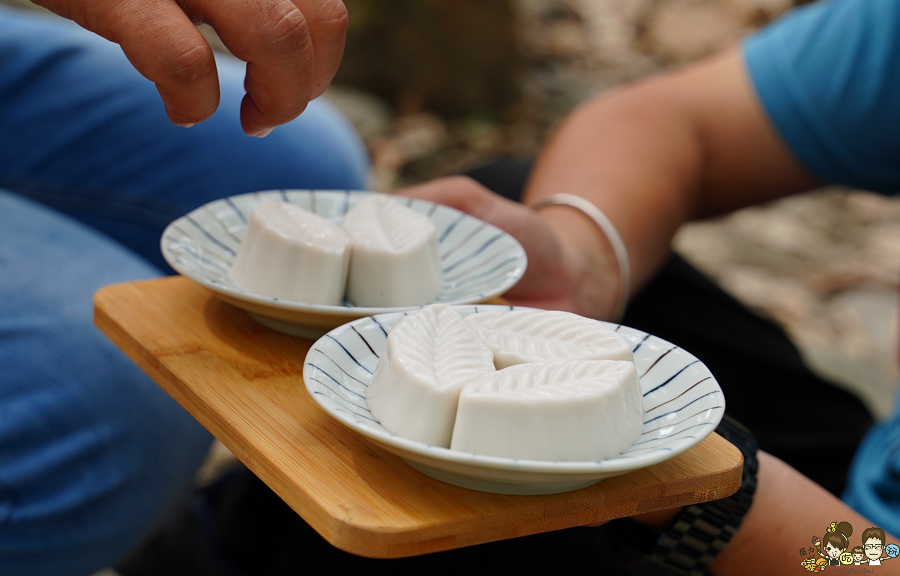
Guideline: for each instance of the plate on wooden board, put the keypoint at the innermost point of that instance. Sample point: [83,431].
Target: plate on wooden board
[244,383]
[479,261]
[683,404]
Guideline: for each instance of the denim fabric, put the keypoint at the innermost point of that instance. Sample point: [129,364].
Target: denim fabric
[92,453]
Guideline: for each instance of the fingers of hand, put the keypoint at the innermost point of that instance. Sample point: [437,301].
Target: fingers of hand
[328,27]
[162,43]
[292,52]
[186,80]
[292,49]
[545,283]
[273,37]
[458,192]
[468,196]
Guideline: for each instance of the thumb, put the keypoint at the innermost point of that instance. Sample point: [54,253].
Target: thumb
[467,195]
[459,192]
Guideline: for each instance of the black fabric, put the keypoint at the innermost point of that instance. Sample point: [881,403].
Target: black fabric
[767,386]
[504,176]
[254,533]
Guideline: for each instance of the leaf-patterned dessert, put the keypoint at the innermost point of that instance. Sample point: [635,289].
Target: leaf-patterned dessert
[395,259]
[292,254]
[523,336]
[572,410]
[427,359]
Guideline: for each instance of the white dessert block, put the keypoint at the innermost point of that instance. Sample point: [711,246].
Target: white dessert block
[524,336]
[557,411]
[395,261]
[293,254]
[428,357]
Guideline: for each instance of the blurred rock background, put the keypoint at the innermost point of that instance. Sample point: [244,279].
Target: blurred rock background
[438,86]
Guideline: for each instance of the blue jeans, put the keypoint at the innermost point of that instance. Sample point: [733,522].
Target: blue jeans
[93,455]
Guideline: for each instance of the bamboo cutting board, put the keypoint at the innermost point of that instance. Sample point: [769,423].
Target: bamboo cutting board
[243,382]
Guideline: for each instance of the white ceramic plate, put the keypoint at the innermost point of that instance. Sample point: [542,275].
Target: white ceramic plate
[682,405]
[479,260]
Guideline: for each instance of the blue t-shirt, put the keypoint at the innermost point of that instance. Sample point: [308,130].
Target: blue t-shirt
[828,76]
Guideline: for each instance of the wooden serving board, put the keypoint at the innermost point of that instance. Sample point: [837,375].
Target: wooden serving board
[243,382]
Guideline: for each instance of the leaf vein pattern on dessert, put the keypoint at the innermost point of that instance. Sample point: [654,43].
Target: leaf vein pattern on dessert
[448,353]
[392,229]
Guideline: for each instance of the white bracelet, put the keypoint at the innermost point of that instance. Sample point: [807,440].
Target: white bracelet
[609,230]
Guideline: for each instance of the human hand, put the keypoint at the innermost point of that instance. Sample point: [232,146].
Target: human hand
[292,49]
[567,267]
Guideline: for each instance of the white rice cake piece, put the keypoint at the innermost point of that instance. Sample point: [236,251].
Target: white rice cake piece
[568,411]
[396,260]
[523,336]
[428,357]
[292,254]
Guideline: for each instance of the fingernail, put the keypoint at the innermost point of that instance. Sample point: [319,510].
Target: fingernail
[186,125]
[263,133]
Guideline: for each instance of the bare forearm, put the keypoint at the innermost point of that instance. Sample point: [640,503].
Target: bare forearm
[788,510]
[650,156]
[667,150]
[636,162]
